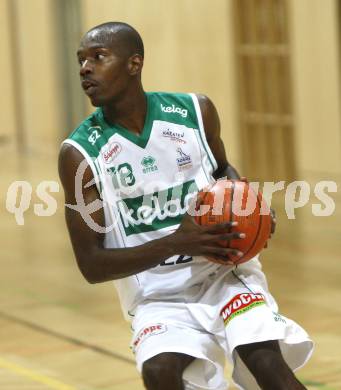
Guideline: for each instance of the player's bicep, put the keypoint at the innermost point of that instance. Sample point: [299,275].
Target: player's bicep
[83,227]
[83,206]
[211,123]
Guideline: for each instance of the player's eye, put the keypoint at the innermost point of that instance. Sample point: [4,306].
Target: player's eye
[99,56]
[80,61]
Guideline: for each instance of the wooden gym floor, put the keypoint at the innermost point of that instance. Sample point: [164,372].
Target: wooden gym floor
[58,332]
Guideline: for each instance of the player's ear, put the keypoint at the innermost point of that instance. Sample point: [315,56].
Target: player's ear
[135,64]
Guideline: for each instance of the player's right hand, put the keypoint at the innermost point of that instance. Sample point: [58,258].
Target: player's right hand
[193,239]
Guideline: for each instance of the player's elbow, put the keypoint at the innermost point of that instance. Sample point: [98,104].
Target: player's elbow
[89,268]
[88,273]
[90,277]
[97,267]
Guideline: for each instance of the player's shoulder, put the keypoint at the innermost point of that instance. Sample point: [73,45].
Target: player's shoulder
[168,98]
[168,95]
[186,98]
[87,136]
[204,101]
[177,107]
[88,126]
[77,148]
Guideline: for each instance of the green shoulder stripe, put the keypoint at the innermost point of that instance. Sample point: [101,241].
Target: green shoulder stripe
[91,134]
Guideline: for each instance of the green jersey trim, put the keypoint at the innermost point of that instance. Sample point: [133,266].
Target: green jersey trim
[140,140]
[94,132]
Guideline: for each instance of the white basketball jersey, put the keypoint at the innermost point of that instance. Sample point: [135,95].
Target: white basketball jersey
[146,183]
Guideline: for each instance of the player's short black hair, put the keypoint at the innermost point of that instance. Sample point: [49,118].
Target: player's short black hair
[121,36]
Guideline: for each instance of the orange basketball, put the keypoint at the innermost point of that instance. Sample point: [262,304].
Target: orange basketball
[236,200]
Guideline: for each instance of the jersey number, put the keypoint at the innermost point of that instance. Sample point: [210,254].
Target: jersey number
[122,175]
[180,260]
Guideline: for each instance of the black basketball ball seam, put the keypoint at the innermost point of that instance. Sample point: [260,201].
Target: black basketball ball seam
[202,203]
[258,230]
[231,205]
[231,214]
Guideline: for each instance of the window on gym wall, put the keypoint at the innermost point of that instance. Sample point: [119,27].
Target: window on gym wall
[264,84]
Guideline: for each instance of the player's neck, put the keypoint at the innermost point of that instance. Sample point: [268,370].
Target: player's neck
[130,111]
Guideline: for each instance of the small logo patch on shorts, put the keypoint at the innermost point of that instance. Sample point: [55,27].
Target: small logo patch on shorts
[151,330]
[279,318]
[240,304]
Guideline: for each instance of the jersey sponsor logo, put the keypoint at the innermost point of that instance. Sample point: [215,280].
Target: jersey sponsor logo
[183,160]
[148,164]
[172,109]
[145,333]
[174,136]
[156,211]
[111,151]
[240,304]
[93,137]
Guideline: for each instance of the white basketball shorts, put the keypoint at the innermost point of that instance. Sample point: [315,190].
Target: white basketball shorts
[231,307]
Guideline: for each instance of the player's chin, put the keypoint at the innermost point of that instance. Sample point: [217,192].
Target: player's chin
[96,101]
[97,96]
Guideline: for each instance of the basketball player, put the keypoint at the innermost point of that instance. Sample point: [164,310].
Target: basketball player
[145,156]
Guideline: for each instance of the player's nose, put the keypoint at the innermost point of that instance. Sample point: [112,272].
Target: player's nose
[86,68]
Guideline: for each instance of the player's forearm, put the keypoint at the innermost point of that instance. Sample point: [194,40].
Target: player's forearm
[228,171]
[105,264]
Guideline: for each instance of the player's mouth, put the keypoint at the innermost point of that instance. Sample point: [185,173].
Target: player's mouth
[89,86]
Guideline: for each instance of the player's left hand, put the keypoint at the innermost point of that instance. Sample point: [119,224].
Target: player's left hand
[273,221]
[273,224]
[272,212]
